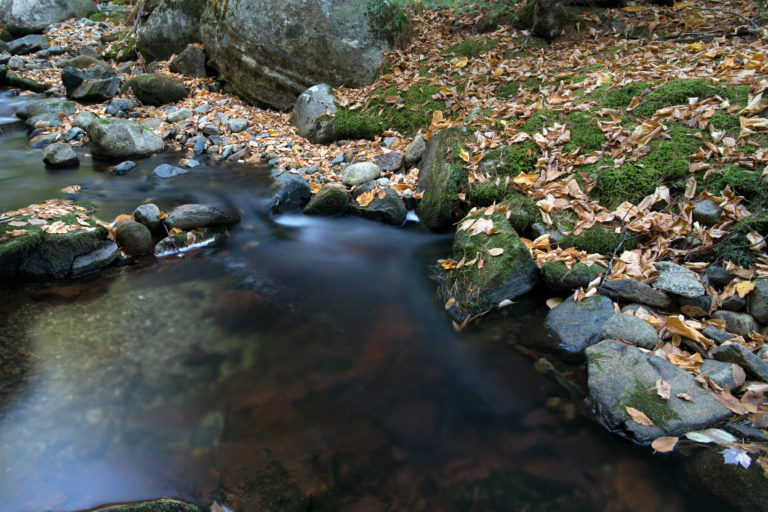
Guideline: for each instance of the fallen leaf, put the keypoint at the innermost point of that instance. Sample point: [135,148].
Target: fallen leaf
[730,402]
[450,303]
[366,198]
[663,389]
[733,455]
[496,251]
[553,302]
[744,287]
[638,416]
[676,325]
[664,444]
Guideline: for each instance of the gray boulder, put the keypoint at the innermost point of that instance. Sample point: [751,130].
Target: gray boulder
[88,69]
[390,209]
[188,216]
[707,213]
[83,119]
[758,301]
[170,28]
[359,173]
[96,90]
[629,290]
[720,372]
[179,115]
[314,115]
[237,125]
[118,139]
[270,52]
[292,193]
[717,276]
[630,328]
[390,162]
[164,171]
[575,325]
[415,150]
[739,354]
[48,111]
[29,16]
[622,376]
[134,238]
[100,258]
[149,215]
[157,89]
[327,202]
[123,168]
[190,62]
[27,44]
[59,155]
[737,323]
[679,280]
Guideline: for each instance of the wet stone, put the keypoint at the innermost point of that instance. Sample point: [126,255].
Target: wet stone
[737,323]
[149,215]
[575,325]
[630,328]
[677,279]
[189,216]
[133,238]
[93,262]
[168,171]
[629,290]
[329,201]
[390,162]
[123,168]
[740,355]
[293,193]
[60,155]
[717,276]
[179,115]
[707,213]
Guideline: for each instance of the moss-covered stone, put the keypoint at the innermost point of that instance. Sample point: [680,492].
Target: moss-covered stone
[486,194]
[391,108]
[491,279]
[157,89]
[511,160]
[585,132]
[647,402]
[472,48]
[677,92]
[598,239]
[560,279]
[736,246]
[523,211]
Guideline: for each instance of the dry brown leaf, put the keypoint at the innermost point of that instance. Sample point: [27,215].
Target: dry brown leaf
[664,444]
[676,325]
[663,389]
[496,251]
[638,416]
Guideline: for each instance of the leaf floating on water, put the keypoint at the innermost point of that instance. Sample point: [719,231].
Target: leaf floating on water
[732,455]
[711,436]
[553,302]
[447,264]
[72,189]
[638,416]
[496,251]
[664,444]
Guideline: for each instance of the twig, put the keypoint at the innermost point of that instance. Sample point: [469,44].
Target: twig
[173,242]
[616,250]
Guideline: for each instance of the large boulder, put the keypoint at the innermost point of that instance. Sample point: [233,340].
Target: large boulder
[387,208]
[117,139]
[89,79]
[622,376]
[156,89]
[170,28]
[441,179]
[271,51]
[497,266]
[190,62]
[575,325]
[313,115]
[28,16]
[59,155]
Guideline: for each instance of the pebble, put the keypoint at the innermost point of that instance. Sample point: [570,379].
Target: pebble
[179,115]
[199,145]
[237,125]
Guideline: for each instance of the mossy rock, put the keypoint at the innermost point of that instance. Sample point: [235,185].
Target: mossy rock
[511,160]
[523,211]
[506,276]
[161,505]
[156,89]
[486,194]
[585,132]
[677,92]
[390,109]
[122,49]
[560,279]
[735,246]
[599,239]
[472,47]
[442,178]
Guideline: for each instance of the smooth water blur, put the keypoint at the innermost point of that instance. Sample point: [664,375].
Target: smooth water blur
[305,365]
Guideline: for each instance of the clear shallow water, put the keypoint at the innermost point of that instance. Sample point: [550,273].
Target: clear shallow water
[305,365]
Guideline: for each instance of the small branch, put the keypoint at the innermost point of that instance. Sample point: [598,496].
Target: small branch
[616,250]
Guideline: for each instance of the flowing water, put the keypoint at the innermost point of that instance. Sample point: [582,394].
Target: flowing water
[307,364]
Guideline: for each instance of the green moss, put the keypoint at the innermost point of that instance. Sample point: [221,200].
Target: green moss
[677,92]
[742,181]
[618,97]
[122,50]
[598,239]
[472,48]
[539,120]
[727,123]
[646,401]
[670,158]
[735,246]
[596,358]
[98,16]
[508,90]
[378,115]
[560,278]
[585,132]
[512,160]
[486,194]
[627,183]
[524,211]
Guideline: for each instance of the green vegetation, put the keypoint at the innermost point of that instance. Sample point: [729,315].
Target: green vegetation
[646,401]
[585,133]
[742,181]
[560,278]
[677,92]
[391,109]
[539,120]
[670,158]
[735,246]
[508,90]
[598,239]
[472,48]
[388,19]
[485,194]
[726,122]
[607,97]
[629,182]
[524,211]
[512,160]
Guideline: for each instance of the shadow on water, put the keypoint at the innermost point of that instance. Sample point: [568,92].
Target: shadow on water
[305,365]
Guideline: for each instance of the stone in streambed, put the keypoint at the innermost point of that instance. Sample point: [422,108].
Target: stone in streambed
[629,290]
[60,155]
[678,280]
[575,325]
[758,301]
[329,201]
[190,216]
[149,215]
[560,279]
[123,167]
[313,115]
[156,89]
[293,193]
[739,354]
[630,328]
[134,238]
[737,323]
[390,162]
[721,373]
[358,173]
[118,139]
[83,119]
[389,209]
[622,376]
[165,171]
[26,44]
[415,150]
[179,115]
[100,258]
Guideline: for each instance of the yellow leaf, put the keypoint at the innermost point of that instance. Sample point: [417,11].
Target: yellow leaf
[464,154]
[638,416]
[462,62]
[634,103]
[744,287]
[554,302]
[366,198]
[450,303]
[382,194]
[664,444]
[525,179]
[496,251]
[695,47]
[448,264]
[676,325]
[497,72]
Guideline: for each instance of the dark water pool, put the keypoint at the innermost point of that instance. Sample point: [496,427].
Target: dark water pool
[305,365]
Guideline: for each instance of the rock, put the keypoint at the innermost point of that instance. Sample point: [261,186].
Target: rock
[630,328]
[179,115]
[48,111]
[161,505]
[390,162]
[629,290]
[737,323]
[702,303]
[42,140]
[390,209]
[508,275]
[314,115]
[237,125]
[117,139]
[168,171]
[717,276]
[26,44]
[440,181]
[156,89]
[358,173]
[623,376]
[170,28]
[560,279]
[100,258]
[190,62]
[678,280]
[544,18]
[720,372]
[737,353]
[707,213]
[716,334]
[199,147]
[758,301]
[327,202]
[293,193]
[575,325]
[745,432]
[123,167]
[16,63]
[59,155]
[73,134]
[734,303]
[727,481]
[73,78]
[189,216]
[83,119]
[96,90]
[180,242]
[134,238]
[270,52]
[149,215]
[25,16]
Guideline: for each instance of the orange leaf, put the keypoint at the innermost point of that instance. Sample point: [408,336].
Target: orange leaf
[664,444]
[676,325]
[638,416]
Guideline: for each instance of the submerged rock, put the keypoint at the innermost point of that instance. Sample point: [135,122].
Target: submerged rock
[327,202]
[188,216]
[118,139]
[164,171]
[60,155]
[622,376]
[98,259]
[575,325]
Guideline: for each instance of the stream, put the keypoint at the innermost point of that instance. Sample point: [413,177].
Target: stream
[306,364]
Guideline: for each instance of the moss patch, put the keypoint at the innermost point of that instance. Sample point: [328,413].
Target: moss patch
[585,133]
[472,48]
[524,211]
[677,92]
[618,97]
[670,158]
[742,181]
[727,123]
[508,90]
[647,402]
[629,182]
[735,246]
[598,239]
